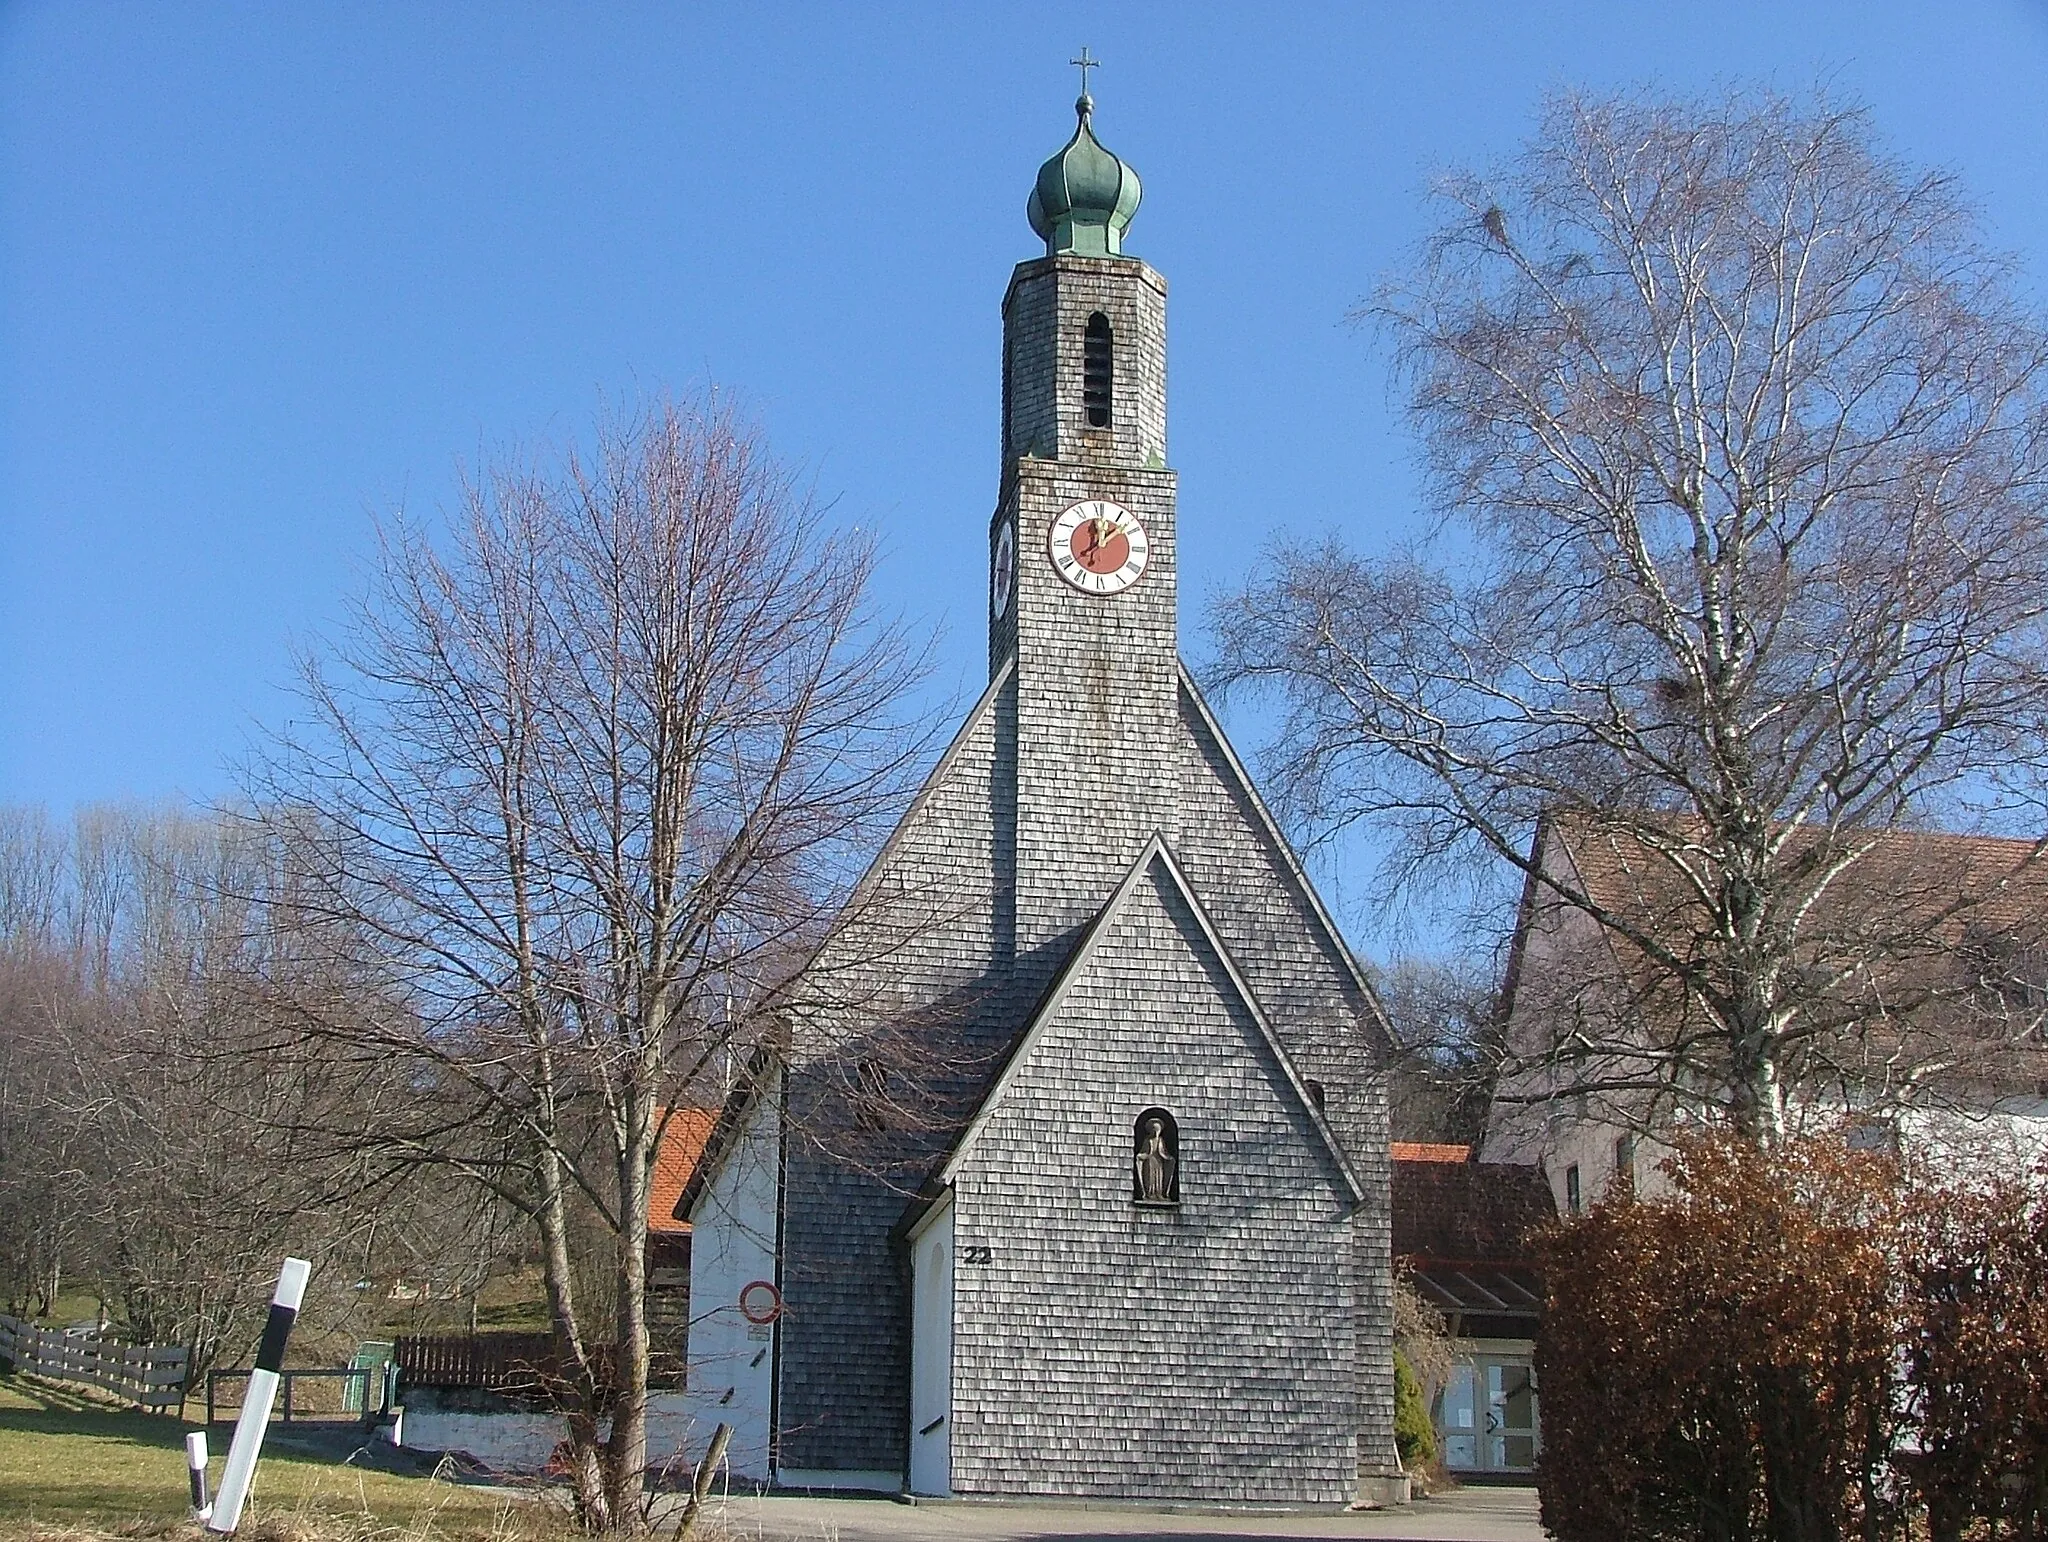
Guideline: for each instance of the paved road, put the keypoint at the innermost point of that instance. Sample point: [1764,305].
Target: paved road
[1466,1515]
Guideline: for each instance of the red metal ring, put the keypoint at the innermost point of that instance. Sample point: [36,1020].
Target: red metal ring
[773,1309]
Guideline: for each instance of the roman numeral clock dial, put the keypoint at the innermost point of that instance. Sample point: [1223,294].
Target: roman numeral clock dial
[1002,570]
[1098,546]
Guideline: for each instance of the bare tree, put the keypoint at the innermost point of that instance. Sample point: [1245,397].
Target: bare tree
[42,1153]
[1737,434]
[1445,1017]
[133,1116]
[575,795]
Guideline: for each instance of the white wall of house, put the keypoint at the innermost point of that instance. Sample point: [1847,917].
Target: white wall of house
[679,1426]
[502,1441]
[931,1352]
[731,1360]
[1957,1141]
[2000,1135]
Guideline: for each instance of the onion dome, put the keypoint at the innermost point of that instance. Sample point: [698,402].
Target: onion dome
[1085,197]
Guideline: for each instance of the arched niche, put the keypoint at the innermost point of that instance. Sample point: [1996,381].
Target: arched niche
[1155,1159]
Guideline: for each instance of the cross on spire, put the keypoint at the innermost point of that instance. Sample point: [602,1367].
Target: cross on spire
[1085,64]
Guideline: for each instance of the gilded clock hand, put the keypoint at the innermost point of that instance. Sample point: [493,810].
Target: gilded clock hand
[1103,529]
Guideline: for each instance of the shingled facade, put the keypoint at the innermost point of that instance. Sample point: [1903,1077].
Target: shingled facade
[1086,921]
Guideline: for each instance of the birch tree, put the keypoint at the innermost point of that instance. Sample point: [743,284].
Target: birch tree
[1734,433]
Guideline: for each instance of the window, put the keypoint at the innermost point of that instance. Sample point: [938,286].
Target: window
[1625,1159]
[1572,1204]
[1098,370]
[1487,1415]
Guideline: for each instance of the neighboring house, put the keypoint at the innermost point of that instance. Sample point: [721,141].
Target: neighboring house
[518,1361]
[676,1155]
[1068,1172]
[1930,1032]
[1462,1232]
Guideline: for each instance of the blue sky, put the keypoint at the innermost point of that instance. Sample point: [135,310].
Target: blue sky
[267,269]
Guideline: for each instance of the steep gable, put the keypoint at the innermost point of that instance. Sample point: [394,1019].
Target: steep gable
[1154,925]
[922,915]
[1071,1300]
[1268,912]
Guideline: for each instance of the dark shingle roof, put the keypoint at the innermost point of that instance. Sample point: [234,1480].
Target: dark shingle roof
[1461,1211]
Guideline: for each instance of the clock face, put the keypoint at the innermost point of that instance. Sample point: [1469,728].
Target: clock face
[1002,570]
[1098,546]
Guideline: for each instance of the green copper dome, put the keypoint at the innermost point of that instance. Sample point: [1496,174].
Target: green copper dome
[1085,196]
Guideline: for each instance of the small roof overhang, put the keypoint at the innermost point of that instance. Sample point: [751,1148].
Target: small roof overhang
[1491,1290]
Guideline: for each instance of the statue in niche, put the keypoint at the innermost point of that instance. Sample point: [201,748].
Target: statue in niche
[1155,1160]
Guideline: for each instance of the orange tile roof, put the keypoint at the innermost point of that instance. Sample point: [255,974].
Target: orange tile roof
[1429,1151]
[682,1143]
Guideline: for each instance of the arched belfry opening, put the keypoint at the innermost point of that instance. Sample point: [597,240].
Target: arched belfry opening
[1098,370]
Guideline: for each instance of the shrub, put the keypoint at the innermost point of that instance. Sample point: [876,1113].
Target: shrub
[1721,1363]
[1414,1434]
[1977,1360]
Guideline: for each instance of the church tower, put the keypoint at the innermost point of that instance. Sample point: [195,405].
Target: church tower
[1074,1137]
[1082,552]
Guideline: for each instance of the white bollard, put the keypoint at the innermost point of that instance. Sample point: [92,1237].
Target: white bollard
[195,1469]
[255,1417]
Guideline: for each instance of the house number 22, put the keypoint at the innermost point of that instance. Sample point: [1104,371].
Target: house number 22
[975,1254]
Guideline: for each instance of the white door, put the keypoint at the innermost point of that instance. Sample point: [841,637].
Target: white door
[931,1356]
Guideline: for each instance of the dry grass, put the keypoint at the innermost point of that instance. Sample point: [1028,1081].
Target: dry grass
[72,1468]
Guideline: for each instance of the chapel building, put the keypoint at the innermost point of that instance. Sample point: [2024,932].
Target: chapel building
[1067,1172]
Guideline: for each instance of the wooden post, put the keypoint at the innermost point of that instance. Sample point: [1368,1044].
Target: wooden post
[707,1470]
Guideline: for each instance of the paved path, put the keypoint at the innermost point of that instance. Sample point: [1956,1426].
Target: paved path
[1464,1515]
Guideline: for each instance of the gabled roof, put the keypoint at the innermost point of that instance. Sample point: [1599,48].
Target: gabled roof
[684,1133]
[1269,827]
[1157,853]
[755,1079]
[732,1118]
[984,706]
[2004,880]
[1453,1210]
[1464,1229]
[1926,926]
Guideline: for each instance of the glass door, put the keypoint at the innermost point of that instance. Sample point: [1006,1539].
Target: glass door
[1510,1415]
[1486,1415]
[1458,1418]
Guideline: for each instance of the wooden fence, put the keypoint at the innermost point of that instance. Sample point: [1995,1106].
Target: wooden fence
[505,1362]
[150,1374]
[522,1364]
[354,1395]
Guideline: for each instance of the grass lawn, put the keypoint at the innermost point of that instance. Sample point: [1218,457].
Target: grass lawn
[70,1462]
